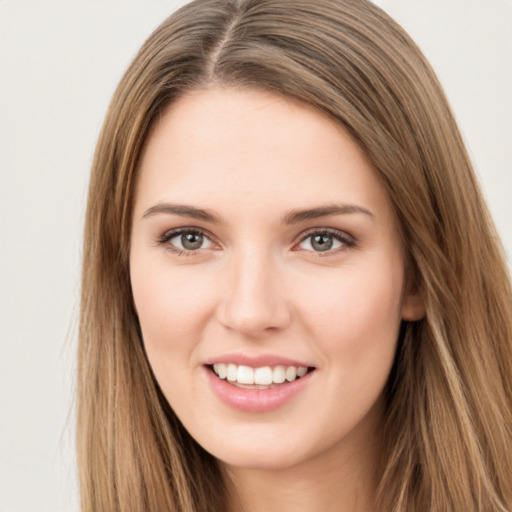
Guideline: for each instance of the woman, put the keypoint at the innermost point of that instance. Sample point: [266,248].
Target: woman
[293,295]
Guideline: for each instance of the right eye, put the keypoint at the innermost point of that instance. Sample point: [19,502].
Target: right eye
[183,241]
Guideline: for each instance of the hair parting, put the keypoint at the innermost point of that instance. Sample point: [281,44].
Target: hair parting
[447,433]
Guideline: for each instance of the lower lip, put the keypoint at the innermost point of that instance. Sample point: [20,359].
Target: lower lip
[257,400]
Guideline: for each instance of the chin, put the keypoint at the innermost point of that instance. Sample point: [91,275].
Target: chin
[255,459]
[265,448]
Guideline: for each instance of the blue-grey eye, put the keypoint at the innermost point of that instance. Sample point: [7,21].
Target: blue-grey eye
[190,241]
[320,242]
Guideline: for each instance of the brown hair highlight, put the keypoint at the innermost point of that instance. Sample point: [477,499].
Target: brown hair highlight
[447,433]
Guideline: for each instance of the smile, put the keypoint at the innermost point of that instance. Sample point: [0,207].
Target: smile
[258,378]
[257,389]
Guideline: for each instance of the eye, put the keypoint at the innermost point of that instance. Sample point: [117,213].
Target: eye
[325,240]
[186,240]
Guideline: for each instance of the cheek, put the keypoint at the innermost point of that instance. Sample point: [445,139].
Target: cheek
[172,309]
[356,312]
[355,327]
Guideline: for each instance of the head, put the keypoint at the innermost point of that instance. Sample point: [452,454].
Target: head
[352,65]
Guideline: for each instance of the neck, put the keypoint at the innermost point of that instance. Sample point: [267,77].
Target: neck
[343,479]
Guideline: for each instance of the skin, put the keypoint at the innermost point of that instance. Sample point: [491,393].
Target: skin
[257,285]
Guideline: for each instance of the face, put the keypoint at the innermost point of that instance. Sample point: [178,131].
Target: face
[268,277]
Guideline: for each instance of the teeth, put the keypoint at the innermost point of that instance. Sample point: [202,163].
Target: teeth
[245,375]
[278,375]
[301,371]
[291,373]
[221,370]
[264,376]
[232,371]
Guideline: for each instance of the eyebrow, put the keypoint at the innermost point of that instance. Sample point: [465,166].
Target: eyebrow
[296,216]
[184,211]
[292,217]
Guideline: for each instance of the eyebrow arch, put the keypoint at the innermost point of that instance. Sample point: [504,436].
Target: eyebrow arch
[292,217]
[296,216]
[183,210]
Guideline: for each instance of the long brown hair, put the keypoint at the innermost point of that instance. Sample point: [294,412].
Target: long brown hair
[447,431]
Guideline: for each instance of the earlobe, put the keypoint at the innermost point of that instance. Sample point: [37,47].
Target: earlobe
[413,307]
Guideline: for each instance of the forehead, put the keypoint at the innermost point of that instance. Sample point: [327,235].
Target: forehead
[216,145]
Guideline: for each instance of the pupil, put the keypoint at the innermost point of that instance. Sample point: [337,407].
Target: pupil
[322,242]
[192,241]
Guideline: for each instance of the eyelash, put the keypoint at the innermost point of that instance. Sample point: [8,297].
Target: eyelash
[346,240]
[166,237]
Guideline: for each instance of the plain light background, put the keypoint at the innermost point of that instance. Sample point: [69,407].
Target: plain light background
[59,64]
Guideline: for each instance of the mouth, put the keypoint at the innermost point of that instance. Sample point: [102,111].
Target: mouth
[264,377]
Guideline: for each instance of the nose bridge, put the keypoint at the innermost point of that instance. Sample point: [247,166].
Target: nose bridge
[253,300]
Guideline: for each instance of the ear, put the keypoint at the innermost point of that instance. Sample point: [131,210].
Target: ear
[413,306]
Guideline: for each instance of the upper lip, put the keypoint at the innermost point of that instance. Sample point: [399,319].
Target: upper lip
[256,361]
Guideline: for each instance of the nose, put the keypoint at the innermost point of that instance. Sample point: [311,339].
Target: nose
[253,299]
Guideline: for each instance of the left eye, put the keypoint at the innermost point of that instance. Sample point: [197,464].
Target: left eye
[322,242]
[189,241]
